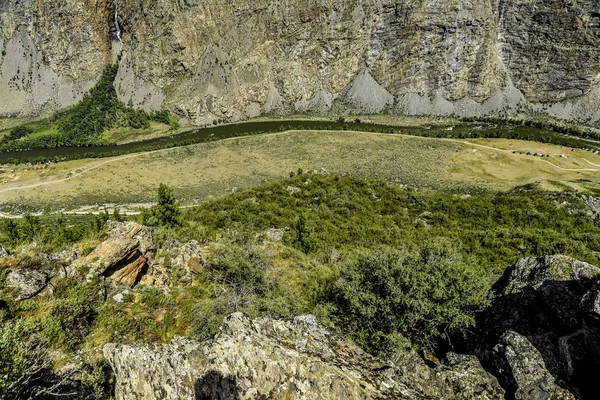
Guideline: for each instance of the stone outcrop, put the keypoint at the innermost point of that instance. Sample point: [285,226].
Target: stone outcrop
[186,257]
[3,251]
[299,359]
[555,280]
[175,263]
[541,335]
[593,204]
[525,365]
[26,282]
[536,273]
[122,256]
[31,270]
[240,59]
[134,265]
[126,255]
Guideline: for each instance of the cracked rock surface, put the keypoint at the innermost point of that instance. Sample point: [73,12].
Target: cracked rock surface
[297,359]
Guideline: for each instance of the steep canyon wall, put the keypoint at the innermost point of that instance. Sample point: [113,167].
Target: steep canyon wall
[238,59]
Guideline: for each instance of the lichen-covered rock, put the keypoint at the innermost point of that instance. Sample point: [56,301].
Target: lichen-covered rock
[463,376]
[175,263]
[127,247]
[593,204]
[155,371]
[525,366]
[64,257]
[534,272]
[276,235]
[3,251]
[184,258]
[459,377]
[275,359]
[26,282]
[63,264]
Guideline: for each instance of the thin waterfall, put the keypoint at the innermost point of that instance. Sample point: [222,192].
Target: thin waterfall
[117,27]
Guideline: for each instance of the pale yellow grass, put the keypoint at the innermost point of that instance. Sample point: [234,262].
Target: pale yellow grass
[208,170]
[504,161]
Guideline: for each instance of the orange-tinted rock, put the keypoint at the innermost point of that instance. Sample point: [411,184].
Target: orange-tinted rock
[124,244]
[131,272]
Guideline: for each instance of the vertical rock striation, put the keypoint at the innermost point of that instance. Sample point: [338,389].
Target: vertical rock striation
[237,59]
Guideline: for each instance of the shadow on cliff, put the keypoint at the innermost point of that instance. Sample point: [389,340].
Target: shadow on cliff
[215,386]
[549,316]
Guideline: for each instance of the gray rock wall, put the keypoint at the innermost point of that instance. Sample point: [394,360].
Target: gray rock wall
[239,59]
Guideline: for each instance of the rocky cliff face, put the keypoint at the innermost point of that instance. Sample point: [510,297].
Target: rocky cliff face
[51,53]
[541,334]
[299,359]
[238,59]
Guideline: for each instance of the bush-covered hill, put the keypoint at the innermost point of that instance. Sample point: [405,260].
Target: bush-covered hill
[84,123]
[383,264]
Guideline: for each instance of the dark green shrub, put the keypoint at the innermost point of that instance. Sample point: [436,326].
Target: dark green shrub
[166,212]
[238,267]
[71,313]
[19,132]
[23,358]
[388,292]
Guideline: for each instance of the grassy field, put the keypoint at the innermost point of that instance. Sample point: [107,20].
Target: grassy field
[118,135]
[505,163]
[209,170]
[127,135]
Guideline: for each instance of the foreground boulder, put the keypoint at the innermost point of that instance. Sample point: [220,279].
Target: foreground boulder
[276,359]
[556,282]
[122,256]
[525,365]
[26,283]
[541,335]
[533,272]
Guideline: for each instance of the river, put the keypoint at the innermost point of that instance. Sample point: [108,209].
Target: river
[457,130]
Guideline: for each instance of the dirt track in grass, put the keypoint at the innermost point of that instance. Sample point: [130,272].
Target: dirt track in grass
[209,170]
